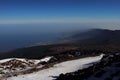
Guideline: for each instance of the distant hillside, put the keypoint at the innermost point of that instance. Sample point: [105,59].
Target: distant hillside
[96,36]
[91,40]
[37,52]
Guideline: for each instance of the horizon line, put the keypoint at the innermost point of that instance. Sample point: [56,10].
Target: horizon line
[60,20]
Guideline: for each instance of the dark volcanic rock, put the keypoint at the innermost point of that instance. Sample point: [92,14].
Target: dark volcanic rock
[107,69]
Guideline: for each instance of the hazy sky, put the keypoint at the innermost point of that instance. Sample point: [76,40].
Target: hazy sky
[106,12]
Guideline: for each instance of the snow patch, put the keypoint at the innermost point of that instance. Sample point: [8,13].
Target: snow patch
[46,59]
[56,70]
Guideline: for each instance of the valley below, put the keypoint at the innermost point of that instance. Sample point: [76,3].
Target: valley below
[81,56]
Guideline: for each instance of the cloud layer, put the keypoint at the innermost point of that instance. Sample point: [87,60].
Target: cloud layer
[65,20]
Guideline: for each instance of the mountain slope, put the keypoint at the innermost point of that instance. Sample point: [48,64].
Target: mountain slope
[64,67]
[107,69]
[95,39]
[96,36]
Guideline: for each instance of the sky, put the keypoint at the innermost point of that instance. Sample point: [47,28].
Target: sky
[59,11]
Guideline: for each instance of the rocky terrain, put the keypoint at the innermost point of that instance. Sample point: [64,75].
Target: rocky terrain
[15,66]
[51,71]
[107,69]
[18,66]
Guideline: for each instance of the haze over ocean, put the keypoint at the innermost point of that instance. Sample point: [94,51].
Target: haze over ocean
[26,22]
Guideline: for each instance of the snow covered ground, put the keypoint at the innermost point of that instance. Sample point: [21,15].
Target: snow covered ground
[20,64]
[64,67]
[24,60]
